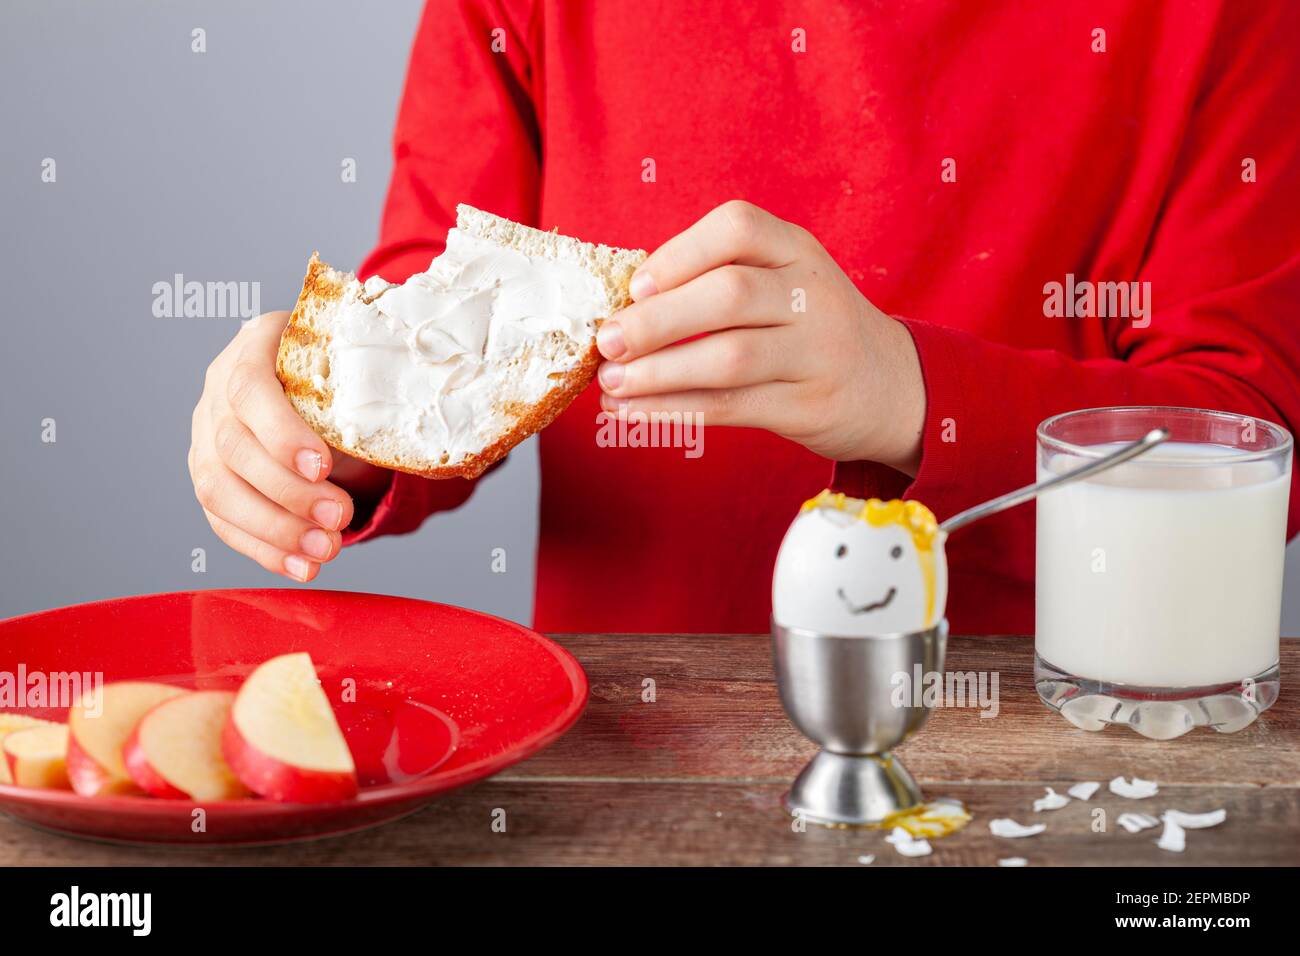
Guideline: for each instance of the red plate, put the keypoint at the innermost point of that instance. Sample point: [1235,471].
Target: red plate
[443,697]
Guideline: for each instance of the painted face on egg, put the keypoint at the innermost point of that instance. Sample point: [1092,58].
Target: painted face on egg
[854,568]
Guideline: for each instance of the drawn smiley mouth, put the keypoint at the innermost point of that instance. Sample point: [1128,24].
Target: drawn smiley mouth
[865,608]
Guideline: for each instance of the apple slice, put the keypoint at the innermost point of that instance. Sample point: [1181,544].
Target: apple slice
[10,723]
[175,750]
[282,739]
[100,723]
[35,757]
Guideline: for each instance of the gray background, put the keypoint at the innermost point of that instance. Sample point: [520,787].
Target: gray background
[221,166]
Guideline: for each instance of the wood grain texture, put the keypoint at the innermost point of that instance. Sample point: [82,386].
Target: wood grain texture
[716,715]
[696,777]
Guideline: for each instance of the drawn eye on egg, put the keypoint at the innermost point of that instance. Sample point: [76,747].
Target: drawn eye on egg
[896,552]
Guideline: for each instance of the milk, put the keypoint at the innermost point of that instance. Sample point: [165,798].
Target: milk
[1165,571]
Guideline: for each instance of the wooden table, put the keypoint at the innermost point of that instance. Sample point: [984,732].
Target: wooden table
[696,777]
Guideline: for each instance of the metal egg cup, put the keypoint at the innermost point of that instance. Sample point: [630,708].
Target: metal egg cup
[839,692]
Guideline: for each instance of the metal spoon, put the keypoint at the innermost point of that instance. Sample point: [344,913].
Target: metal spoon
[1028,492]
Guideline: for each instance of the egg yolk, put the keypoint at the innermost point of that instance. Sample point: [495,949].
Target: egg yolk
[938,818]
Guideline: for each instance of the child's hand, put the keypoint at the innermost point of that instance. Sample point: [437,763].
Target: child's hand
[258,470]
[841,377]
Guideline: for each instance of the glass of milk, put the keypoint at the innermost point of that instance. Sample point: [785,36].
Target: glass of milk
[1159,582]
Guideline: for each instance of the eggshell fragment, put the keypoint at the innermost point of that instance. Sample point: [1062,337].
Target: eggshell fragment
[1173,838]
[1011,830]
[1136,822]
[1084,791]
[1196,821]
[1137,789]
[1053,801]
[907,845]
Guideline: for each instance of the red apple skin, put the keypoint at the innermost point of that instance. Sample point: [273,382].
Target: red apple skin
[88,778]
[279,781]
[143,773]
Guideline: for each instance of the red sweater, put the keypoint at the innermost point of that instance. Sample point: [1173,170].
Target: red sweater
[1109,166]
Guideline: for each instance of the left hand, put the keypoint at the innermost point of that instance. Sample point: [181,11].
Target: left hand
[839,377]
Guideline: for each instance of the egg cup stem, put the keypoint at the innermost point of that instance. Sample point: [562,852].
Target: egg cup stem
[850,790]
[843,693]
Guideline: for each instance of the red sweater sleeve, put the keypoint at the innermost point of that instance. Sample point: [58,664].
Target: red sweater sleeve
[466,132]
[1224,269]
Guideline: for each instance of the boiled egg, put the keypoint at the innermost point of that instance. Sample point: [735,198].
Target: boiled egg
[852,567]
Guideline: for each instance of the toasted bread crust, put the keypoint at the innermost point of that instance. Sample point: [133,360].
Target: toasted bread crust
[305,343]
[320,285]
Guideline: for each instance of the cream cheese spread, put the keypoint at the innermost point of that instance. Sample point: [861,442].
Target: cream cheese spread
[434,359]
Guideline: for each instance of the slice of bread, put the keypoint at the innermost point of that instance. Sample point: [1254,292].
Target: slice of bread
[444,374]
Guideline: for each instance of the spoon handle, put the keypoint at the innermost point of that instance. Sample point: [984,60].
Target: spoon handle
[1021,495]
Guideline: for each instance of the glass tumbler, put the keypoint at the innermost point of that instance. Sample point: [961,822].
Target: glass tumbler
[1159,582]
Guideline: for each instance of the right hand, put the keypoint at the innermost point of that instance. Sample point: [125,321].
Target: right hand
[259,471]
